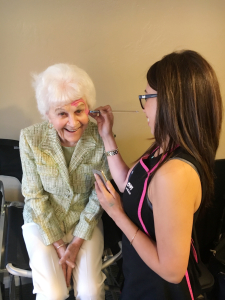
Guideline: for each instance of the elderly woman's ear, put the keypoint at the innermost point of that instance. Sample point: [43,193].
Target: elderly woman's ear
[47,117]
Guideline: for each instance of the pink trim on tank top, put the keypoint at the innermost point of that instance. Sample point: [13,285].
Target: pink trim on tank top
[144,157]
[140,208]
[141,203]
[143,165]
[194,251]
[186,274]
[189,285]
[145,188]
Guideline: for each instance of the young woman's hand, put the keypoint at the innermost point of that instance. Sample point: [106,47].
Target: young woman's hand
[109,199]
[104,120]
[69,257]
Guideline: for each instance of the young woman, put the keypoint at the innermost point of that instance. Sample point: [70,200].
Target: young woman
[172,182]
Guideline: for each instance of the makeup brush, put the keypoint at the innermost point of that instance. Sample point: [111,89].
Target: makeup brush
[115,111]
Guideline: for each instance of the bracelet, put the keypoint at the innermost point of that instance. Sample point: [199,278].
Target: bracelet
[60,246]
[112,152]
[131,242]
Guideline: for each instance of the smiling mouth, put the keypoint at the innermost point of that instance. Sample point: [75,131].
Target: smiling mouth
[71,131]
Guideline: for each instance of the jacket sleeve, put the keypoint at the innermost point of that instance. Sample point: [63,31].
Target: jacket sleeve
[93,210]
[37,205]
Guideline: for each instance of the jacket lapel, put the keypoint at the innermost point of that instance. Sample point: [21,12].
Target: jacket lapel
[51,146]
[83,148]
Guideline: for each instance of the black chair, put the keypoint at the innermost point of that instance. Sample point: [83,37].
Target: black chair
[10,165]
[206,279]
[209,228]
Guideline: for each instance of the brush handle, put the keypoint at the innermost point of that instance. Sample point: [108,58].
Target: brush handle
[115,111]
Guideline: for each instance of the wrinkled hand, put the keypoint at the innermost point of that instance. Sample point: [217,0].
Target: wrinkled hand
[69,257]
[61,252]
[104,120]
[109,199]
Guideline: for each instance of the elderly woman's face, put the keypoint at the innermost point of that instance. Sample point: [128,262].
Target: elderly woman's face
[70,121]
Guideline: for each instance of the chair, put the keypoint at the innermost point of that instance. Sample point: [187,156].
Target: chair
[208,228]
[2,238]
[10,165]
[14,254]
[206,279]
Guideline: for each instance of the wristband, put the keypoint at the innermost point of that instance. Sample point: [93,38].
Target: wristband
[112,152]
[131,242]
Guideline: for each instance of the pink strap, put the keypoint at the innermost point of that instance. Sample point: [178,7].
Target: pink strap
[141,203]
[144,157]
[194,251]
[145,189]
[140,208]
[189,285]
[186,274]
[145,184]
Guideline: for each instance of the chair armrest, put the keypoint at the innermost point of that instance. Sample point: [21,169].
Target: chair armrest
[3,194]
[18,272]
[113,259]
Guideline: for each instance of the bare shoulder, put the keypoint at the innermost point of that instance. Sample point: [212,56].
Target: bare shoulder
[176,180]
[176,169]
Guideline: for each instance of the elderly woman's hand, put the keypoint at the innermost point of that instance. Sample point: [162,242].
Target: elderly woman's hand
[69,257]
[109,199]
[104,120]
[60,249]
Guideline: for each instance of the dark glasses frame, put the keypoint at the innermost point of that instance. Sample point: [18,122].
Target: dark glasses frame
[146,97]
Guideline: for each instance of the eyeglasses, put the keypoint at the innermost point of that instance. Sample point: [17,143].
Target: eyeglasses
[145,97]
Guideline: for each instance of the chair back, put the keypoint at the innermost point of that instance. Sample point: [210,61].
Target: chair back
[211,224]
[11,169]
[10,163]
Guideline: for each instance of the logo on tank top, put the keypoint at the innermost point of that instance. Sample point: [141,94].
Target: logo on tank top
[129,188]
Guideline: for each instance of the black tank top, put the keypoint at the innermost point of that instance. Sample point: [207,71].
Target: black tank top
[142,283]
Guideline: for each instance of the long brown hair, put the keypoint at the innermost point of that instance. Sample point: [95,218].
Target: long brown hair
[189,109]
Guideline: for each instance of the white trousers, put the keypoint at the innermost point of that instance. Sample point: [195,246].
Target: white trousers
[48,279]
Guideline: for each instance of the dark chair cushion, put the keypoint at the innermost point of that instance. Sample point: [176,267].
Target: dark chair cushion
[16,252]
[10,164]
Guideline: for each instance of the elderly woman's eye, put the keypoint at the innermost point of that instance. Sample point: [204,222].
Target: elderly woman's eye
[62,114]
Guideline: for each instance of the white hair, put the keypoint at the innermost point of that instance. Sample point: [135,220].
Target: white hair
[62,84]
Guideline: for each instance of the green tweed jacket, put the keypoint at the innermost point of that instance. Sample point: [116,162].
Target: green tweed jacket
[60,198]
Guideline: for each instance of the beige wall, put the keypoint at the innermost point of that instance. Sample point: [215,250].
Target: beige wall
[114,41]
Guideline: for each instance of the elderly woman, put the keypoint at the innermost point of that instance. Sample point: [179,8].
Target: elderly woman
[62,215]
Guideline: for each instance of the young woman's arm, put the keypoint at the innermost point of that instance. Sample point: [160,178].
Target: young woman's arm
[175,193]
[118,168]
